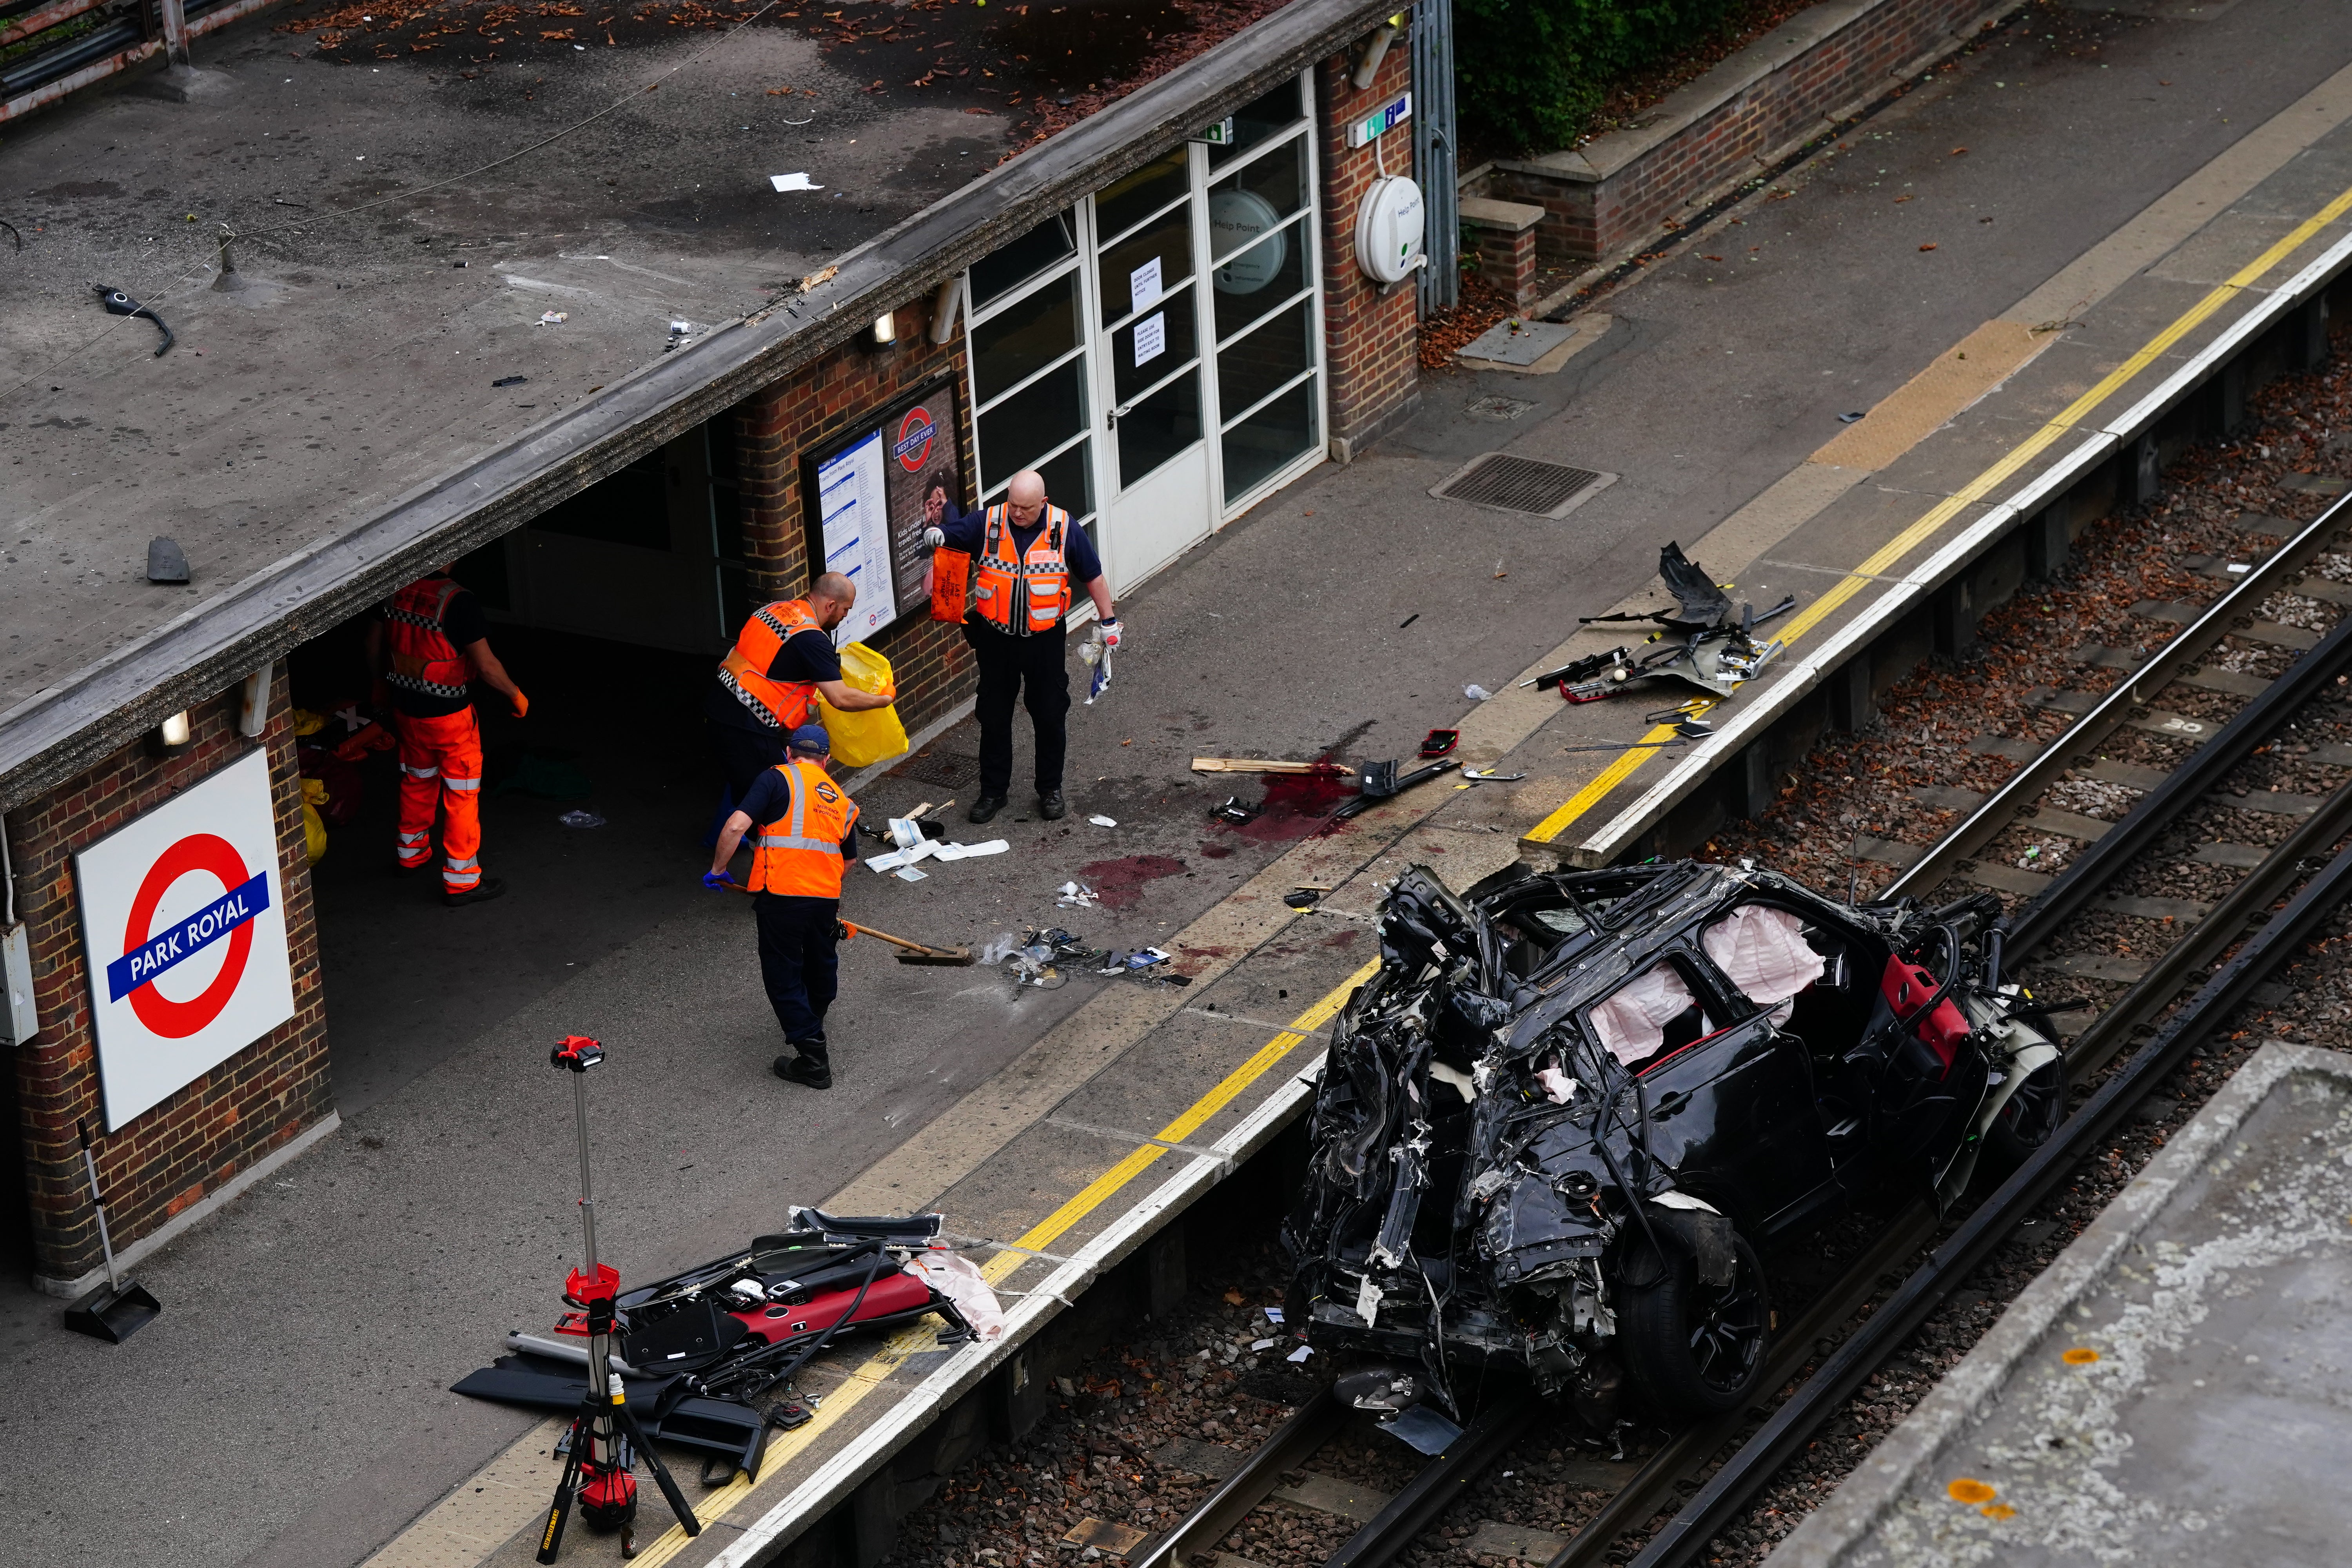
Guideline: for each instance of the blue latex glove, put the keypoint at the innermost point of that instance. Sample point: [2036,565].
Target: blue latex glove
[717,879]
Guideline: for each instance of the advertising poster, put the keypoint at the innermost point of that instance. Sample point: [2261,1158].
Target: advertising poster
[853,515]
[922,442]
[183,930]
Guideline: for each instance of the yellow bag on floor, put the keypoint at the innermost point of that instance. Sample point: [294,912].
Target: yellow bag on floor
[863,739]
[314,826]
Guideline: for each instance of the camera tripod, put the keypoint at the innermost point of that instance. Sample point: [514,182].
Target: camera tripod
[605,1438]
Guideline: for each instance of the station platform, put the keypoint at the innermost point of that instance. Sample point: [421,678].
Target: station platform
[1060,1132]
[2172,1389]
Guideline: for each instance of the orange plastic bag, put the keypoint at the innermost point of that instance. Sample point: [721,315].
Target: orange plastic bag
[950,584]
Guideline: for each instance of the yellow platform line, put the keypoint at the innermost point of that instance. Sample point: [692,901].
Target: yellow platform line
[864,1380]
[1889,554]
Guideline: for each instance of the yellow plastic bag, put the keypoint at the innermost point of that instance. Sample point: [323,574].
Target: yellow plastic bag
[863,739]
[314,827]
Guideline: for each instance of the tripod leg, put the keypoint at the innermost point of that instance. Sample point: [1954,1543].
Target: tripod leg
[677,1498]
[551,1540]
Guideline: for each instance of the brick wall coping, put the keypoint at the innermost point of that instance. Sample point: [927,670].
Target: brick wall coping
[1606,154]
[1515,218]
[77,723]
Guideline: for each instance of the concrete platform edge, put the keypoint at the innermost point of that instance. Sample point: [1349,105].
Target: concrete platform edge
[1866,1497]
[195,1214]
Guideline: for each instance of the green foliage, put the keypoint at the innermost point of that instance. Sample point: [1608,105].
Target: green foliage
[1530,73]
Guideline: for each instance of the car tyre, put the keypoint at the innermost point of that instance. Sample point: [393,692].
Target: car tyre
[2025,1123]
[1696,1350]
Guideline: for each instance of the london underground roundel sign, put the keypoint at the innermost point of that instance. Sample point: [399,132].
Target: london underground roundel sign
[916,432]
[183,923]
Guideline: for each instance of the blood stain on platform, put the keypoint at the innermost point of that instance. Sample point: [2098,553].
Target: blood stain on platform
[1119,883]
[1296,805]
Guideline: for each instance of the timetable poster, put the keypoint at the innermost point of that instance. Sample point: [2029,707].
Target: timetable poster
[921,439]
[854,513]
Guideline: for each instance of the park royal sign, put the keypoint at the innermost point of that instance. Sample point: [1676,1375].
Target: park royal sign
[183,923]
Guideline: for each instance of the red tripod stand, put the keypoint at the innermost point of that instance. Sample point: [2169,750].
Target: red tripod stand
[605,1438]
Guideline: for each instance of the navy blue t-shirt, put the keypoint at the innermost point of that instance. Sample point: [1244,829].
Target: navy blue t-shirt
[805,656]
[968,532]
[771,800]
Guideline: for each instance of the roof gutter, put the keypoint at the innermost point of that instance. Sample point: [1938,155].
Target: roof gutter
[68,727]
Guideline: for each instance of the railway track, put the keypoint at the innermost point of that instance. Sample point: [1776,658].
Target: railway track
[2266,916]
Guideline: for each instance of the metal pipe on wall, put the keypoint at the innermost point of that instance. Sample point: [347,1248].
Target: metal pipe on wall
[1434,152]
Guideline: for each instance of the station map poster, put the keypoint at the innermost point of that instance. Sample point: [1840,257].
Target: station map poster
[183,928]
[855,518]
[867,519]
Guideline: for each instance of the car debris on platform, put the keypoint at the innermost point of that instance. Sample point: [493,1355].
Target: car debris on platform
[1559,1129]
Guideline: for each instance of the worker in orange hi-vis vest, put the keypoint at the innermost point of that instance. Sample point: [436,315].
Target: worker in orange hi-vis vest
[768,684]
[430,646]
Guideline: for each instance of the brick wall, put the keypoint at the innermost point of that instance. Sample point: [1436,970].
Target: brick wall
[1604,199]
[1369,347]
[826,400]
[186,1147]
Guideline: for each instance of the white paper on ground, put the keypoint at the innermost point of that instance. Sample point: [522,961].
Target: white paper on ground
[910,874]
[1102,822]
[896,859]
[1301,1353]
[969,851]
[952,1275]
[793,183]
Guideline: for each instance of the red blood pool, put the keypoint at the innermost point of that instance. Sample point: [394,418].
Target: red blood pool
[1119,883]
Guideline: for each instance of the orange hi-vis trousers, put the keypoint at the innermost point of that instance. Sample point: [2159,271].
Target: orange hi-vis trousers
[442,756]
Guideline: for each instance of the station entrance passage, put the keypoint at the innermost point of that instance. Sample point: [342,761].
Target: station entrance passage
[610,611]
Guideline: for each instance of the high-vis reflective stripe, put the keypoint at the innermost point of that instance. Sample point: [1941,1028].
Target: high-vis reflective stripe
[420,773]
[461,783]
[424,659]
[800,854]
[1038,578]
[777,704]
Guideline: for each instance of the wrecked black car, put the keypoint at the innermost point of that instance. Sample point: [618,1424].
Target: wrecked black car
[1558,1130]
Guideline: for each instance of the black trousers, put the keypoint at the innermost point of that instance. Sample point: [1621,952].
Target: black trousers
[797,965]
[742,755]
[1036,670]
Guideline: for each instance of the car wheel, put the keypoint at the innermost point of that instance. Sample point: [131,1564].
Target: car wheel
[2025,1122]
[1695,1349]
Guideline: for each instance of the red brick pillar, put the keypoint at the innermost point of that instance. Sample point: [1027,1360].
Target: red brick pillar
[805,413]
[1370,342]
[202,1138]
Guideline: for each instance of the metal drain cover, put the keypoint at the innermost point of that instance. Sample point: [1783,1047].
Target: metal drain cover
[1497,407]
[1523,485]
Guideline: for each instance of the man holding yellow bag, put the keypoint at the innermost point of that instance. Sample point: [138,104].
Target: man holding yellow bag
[768,684]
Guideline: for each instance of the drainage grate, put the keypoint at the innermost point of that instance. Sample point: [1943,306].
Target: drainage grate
[1497,407]
[1523,485]
[944,769]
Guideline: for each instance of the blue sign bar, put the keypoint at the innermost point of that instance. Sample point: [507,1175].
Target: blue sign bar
[186,937]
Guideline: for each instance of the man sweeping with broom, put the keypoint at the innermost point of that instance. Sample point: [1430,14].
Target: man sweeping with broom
[807,836]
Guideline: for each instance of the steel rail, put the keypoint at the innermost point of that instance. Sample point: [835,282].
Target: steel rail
[1437,1485]
[1719,1500]
[1291,1444]
[2138,688]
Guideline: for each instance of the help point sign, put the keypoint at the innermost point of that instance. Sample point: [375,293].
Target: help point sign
[183,923]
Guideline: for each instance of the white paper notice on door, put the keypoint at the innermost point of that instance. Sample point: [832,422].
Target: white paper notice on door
[857,535]
[1150,339]
[1143,285]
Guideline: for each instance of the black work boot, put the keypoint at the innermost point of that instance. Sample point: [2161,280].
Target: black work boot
[809,1065]
[984,809]
[481,892]
[1050,805]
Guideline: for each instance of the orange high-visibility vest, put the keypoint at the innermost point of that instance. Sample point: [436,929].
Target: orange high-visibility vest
[779,704]
[799,854]
[423,660]
[1029,592]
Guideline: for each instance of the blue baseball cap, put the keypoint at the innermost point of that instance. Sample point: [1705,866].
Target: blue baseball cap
[811,739]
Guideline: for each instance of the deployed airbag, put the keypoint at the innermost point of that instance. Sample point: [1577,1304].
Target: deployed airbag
[1762,951]
[1631,1023]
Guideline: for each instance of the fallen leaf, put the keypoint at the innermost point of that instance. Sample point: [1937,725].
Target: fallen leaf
[1903,198]
[814,278]
[1232,1296]
[1958,151]
[1926,247]
[1711,258]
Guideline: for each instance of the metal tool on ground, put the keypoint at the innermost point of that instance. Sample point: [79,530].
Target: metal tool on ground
[605,1440]
[1381,780]
[120,1308]
[1488,775]
[917,952]
[1268,766]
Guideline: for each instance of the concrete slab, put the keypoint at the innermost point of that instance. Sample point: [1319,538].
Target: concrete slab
[2173,1388]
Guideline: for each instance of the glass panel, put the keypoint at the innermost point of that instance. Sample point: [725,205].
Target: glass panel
[1147,349]
[1245,205]
[1026,336]
[1035,419]
[1266,359]
[630,507]
[1260,278]
[1123,204]
[1022,260]
[1158,427]
[1160,251]
[1269,117]
[1070,480]
[1268,438]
